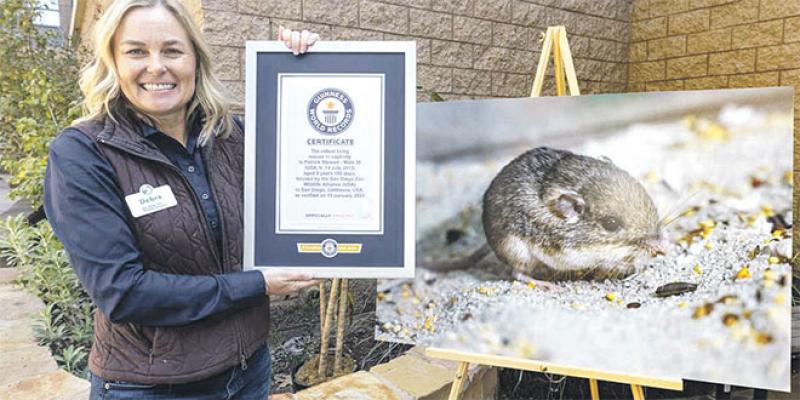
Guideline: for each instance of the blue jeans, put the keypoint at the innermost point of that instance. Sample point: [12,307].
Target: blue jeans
[235,383]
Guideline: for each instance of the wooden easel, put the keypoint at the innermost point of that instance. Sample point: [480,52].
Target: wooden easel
[555,42]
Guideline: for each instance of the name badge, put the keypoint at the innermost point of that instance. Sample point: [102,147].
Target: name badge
[150,200]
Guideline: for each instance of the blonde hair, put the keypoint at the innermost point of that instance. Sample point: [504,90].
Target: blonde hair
[99,80]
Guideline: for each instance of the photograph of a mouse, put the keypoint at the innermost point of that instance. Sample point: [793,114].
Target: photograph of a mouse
[659,225]
[554,215]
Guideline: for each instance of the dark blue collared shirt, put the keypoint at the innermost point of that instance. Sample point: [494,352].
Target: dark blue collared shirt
[87,213]
[190,161]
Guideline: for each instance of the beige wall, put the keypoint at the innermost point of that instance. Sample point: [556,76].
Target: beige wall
[489,48]
[711,44]
[465,48]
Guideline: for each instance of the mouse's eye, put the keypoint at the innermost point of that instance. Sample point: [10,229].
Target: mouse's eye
[611,224]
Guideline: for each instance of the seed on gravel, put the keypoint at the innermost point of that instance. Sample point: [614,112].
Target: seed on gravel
[486,291]
[675,288]
[702,311]
[729,319]
[744,273]
[757,182]
[429,325]
[778,221]
[763,338]
[707,224]
[727,299]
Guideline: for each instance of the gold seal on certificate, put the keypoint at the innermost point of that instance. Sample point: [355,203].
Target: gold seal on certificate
[330,140]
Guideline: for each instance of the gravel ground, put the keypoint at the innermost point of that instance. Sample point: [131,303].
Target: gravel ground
[724,180]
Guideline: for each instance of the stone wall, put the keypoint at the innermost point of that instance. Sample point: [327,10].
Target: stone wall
[714,44]
[465,48]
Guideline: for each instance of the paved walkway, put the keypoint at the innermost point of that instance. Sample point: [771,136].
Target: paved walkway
[27,370]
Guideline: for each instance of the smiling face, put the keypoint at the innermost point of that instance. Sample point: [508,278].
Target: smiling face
[155,62]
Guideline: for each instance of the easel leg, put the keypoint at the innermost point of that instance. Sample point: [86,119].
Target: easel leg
[541,68]
[458,382]
[593,389]
[558,64]
[638,393]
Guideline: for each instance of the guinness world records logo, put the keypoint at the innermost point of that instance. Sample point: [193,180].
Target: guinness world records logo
[329,248]
[330,111]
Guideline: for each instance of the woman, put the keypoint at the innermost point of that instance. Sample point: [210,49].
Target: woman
[145,193]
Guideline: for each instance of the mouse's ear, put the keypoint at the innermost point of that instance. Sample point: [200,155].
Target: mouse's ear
[567,205]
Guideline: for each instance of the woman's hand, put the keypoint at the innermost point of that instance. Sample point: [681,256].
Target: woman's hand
[297,41]
[281,282]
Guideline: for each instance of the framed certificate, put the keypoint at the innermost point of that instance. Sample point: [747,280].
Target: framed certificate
[329,159]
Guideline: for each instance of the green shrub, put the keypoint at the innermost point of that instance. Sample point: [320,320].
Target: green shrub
[65,325]
[39,95]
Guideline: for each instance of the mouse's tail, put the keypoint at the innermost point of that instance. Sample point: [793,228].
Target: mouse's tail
[460,263]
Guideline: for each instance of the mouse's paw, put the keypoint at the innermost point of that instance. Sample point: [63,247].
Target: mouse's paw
[539,283]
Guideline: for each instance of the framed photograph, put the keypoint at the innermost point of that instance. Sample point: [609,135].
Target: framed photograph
[329,159]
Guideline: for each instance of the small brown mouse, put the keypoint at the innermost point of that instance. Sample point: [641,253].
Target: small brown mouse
[554,215]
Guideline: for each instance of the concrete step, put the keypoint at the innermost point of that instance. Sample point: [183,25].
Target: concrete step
[409,377]
[27,370]
[24,362]
[356,386]
[56,385]
[20,355]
